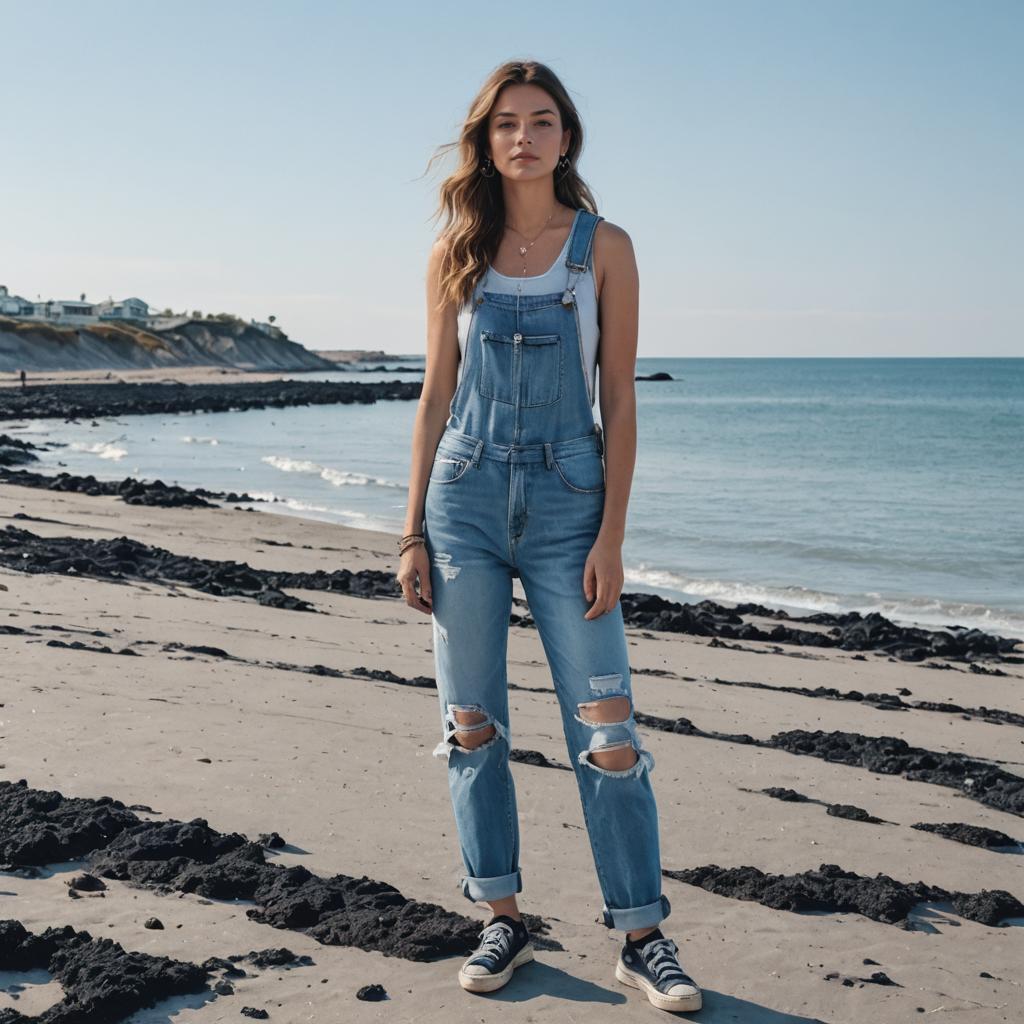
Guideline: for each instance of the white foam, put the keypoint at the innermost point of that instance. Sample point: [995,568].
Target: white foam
[324,513]
[337,477]
[104,449]
[200,440]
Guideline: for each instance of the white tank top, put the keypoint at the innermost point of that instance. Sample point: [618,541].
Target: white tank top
[552,280]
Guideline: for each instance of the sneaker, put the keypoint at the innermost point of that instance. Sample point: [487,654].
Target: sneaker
[654,968]
[505,945]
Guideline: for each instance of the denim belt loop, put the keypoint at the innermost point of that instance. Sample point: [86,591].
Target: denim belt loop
[476,454]
[548,457]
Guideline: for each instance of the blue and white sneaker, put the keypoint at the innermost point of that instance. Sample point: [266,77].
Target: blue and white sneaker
[504,945]
[654,968]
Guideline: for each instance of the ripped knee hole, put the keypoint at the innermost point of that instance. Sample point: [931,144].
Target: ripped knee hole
[606,710]
[616,709]
[614,758]
[472,738]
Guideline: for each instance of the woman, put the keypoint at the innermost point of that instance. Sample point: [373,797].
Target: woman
[511,477]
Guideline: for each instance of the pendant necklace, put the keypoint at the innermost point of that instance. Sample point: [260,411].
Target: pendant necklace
[524,249]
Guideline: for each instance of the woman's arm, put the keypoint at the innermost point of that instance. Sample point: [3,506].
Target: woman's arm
[439,380]
[618,289]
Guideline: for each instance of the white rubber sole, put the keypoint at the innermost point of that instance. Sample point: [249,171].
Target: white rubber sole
[490,982]
[659,999]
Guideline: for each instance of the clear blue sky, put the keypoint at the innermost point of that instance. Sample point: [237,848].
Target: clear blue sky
[798,178]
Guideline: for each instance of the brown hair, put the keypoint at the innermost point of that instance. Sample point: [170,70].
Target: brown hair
[475,205]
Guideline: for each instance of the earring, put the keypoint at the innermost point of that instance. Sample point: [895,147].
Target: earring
[563,165]
[487,168]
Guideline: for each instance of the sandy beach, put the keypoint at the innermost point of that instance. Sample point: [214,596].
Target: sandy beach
[271,723]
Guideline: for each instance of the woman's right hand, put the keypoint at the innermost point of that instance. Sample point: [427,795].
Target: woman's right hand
[414,565]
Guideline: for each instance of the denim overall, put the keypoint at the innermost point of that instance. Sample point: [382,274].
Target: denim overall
[517,489]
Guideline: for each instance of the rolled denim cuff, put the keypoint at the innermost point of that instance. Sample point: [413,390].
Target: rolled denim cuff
[628,918]
[492,888]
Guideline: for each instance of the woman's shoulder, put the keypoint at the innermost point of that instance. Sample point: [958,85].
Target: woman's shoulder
[610,235]
[613,249]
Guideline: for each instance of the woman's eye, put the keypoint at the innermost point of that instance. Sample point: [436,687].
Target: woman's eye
[511,124]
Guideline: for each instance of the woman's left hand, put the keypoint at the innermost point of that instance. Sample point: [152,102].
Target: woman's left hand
[603,576]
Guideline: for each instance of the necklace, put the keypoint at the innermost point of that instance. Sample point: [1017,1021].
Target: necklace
[524,249]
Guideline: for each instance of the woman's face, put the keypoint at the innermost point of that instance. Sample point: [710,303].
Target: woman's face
[525,123]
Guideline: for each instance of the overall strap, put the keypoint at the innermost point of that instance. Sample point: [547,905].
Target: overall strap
[581,244]
[581,251]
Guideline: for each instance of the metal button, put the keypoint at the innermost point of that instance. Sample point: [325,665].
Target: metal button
[517,337]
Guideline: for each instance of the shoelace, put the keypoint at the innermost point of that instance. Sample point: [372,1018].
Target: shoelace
[660,955]
[496,938]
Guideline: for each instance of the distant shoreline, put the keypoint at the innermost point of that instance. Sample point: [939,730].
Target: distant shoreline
[362,355]
[183,374]
[123,398]
[106,348]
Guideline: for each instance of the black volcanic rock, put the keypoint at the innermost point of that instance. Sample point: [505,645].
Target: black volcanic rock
[535,758]
[15,452]
[121,558]
[891,755]
[102,981]
[40,827]
[87,401]
[832,889]
[849,811]
[850,631]
[971,835]
[887,755]
[130,490]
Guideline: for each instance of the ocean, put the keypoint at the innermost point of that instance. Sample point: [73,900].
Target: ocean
[889,485]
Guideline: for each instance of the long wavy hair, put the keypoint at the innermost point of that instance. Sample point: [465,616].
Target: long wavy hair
[475,205]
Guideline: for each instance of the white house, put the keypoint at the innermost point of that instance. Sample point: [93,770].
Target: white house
[13,305]
[72,311]
[127,309]
[64,311]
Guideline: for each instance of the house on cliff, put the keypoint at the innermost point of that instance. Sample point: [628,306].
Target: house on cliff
[126,309]
[13,305]
[72,311]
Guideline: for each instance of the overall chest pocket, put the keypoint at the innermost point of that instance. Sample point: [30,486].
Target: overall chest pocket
[525,365]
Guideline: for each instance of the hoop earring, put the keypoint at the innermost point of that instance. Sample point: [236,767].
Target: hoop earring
[487,168]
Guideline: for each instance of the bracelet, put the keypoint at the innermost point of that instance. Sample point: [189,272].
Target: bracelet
[413,542]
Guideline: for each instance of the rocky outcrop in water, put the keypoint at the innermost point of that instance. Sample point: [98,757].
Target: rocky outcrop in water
[89,401]
[15,452]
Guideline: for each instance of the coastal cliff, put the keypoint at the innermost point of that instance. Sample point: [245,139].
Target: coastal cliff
[34,346]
